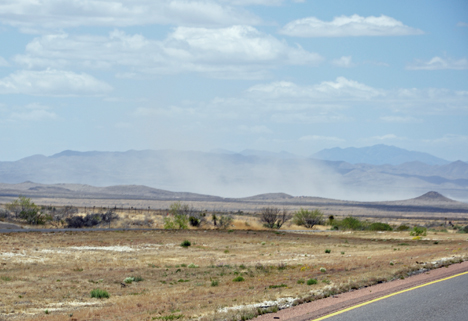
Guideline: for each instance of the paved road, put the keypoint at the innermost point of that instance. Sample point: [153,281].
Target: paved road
[445,300]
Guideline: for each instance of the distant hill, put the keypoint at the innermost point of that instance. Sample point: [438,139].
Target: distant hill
[236,175]
[377,155]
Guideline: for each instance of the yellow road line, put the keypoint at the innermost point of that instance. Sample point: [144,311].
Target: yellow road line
[386,296]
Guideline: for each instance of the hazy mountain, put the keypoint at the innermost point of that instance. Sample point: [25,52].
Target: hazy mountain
[377,155]
[238,175]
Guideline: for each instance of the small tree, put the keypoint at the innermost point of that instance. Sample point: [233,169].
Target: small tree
[177,218]
[273,217]
[24,209]
[308,218]
[14,207]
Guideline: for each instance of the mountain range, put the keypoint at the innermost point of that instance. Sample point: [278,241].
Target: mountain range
[378,155]
[248,173]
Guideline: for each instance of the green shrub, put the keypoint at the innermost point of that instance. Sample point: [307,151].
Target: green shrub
[282,285]
[301,281]
[308,218]
[380,227]
[328,251]
[214,282]
[138,279]
[312,281]
[177,218]
[129,280]
[350,223]
[185,243]
[403,227]
[238,279]
[192,266]
[100,294]
[418,231]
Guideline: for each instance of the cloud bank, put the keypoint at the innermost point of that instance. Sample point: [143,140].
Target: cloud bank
[348,26]
[233,52]
[52,82]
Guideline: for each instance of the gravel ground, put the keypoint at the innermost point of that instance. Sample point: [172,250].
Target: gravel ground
[316,309]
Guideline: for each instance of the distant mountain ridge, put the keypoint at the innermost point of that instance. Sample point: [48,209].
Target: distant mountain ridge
[377,155]
[237,175]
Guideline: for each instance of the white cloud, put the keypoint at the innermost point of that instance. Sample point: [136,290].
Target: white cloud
[344,62]
[388,137]
[348,26]
[33,112]
[452,139]
[340,89]
[438,63]
[3,62]
[400,119]
[52,83]
[321,138]
[56,14]
[234,52]
[33,115]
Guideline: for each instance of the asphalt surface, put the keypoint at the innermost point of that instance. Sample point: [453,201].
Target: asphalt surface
[445,300]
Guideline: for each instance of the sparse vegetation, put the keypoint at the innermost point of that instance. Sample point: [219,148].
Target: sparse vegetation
[274,217]
[312,281]
[99,294]
[23,208]
[186,243]
[83,261]
[238,279]
[308,218]
[418,231]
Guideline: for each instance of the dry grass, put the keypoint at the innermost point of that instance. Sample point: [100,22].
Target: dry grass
[57,271]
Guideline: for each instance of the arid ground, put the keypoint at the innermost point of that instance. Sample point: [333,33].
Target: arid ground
[49,276]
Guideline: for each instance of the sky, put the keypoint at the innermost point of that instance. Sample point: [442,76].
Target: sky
[273,75]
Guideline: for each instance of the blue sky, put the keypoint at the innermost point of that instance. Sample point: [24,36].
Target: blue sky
[274,75]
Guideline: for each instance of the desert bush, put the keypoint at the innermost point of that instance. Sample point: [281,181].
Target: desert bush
[138,278]
[282,285]
[312,281]
[224,221]
[214,282]
[328,251]
[419,231]
[273,217]
[91,220]
[380,227]
[308,218]
[301,281]
[177,217]
[185,243]
[238,279]
[403,227]
[26,210]
[100,294]
[350,223]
